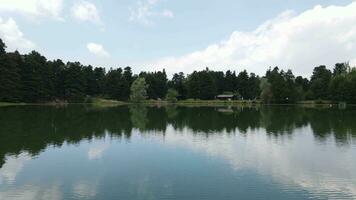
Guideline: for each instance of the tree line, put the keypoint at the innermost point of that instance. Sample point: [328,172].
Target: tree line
[32,78]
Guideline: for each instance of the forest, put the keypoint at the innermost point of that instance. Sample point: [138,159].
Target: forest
[31,78]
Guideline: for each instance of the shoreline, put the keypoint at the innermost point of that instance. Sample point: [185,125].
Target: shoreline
[110,103]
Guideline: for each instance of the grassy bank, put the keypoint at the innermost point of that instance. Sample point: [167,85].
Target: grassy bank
[11,104]
[106,102]
[94,101]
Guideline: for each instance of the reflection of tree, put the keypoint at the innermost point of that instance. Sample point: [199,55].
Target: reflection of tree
[282,120]
[171,111]
[138,114]
[33,128]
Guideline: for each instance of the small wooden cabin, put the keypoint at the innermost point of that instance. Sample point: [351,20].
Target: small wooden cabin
[225,97]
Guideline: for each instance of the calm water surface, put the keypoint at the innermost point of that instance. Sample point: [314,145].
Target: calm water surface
[178,153]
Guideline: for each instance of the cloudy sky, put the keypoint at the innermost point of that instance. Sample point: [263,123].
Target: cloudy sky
[185,35]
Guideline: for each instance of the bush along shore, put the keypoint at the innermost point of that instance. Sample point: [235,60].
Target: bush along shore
[32,79]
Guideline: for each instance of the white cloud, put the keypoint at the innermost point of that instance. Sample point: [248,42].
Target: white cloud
[98,50]
[13,37]
[322,35]
[36,8]
[86,11]
[144,11]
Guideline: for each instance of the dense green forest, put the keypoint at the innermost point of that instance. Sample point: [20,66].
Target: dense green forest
[34,79]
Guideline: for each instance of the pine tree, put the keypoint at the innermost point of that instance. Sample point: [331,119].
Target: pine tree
[10,64]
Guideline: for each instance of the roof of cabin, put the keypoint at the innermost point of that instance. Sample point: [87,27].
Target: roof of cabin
[225,96]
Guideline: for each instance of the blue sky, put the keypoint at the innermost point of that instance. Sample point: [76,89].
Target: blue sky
[176,35]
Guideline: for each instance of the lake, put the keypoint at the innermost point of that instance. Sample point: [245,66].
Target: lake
[179,153]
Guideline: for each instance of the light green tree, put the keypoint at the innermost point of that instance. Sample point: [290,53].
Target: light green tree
[138,90]
[266,93]
[172,96]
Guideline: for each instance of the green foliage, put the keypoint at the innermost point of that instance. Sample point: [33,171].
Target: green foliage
[253,87]
[266,92]
[229,83]
[178,83]
[10,79]
[242,82]
[282,86]
[94,80]
[319,83]
[138,90]
[118,84]
[201,85]
[172,95]
[341,69]
[2,47]
[74,82]
[36,78]
[157,84]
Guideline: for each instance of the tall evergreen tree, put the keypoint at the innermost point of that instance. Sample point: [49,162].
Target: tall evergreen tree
[320,82]
[58,75]
[99,85]
[117,85]
[253,89]
[157,84]
[36,81]
[341,69]
[74,82]
[230,79]
[242,83]
[201,85]
[2,48]
[10,80]
[178,83]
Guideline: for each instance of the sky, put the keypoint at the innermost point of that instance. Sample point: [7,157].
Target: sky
[185,35]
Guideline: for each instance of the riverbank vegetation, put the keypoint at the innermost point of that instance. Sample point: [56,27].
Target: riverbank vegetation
[31,78]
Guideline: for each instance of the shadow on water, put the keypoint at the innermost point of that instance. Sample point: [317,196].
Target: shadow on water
[33,128]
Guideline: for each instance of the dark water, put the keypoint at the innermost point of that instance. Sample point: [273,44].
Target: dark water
[135,152]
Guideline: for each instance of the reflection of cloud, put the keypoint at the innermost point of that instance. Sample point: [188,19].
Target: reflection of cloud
[12,167]
[85,189]
[297,161]
[33,193]
[96,152]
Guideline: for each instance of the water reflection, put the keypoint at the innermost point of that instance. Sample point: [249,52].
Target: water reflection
[291,161]
[32,129]
[30,192]
[12,167]
[312,149]
[85,189]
